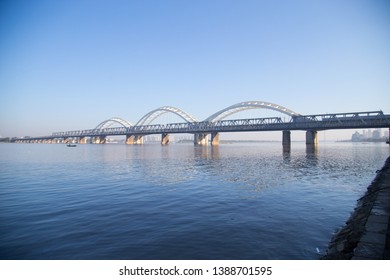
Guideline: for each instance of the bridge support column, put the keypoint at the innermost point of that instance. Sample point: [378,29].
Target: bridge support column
[388,139]
[311,137]
[82,140]
[165,139]
[200,139]
[214,139]
[134,140]
[286,140]
[98,140]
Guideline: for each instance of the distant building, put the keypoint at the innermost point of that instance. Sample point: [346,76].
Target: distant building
[376,134]
[368,136]
[357,137]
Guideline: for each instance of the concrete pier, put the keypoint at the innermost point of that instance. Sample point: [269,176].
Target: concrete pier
[134,140]
[165,139]
[82,140]
[214,139]
[286,138]
[98,140]
[311,137]
[201,139]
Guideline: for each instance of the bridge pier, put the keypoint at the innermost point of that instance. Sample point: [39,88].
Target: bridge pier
[98,140]
[82,140]
[286,138]
[388,139]
[134,140]
[311,137]
[165,139]
[214,139]
[200,139]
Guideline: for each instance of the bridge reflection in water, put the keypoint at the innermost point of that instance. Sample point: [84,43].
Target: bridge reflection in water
[216,124]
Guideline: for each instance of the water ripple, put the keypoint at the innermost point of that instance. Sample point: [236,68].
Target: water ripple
[250,201]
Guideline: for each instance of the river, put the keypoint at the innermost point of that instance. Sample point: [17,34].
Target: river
[235,201]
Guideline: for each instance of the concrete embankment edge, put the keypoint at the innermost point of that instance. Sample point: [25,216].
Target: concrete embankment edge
[366,234]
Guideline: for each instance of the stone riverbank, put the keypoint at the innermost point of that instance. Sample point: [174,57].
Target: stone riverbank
[366,234]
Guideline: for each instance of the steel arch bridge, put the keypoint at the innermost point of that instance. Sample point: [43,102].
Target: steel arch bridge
[216,123]
[222,114]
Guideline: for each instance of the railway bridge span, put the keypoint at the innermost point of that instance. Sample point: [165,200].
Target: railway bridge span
[218,123]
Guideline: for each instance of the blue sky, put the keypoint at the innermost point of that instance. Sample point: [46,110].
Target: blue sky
[68,65]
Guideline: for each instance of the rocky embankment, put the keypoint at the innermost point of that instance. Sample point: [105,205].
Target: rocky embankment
[345,241]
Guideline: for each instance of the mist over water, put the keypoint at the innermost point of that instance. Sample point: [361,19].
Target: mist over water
[235,201]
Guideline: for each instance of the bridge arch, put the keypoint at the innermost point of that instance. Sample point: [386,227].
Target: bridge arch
[111,121]
[152,115]
[247,106]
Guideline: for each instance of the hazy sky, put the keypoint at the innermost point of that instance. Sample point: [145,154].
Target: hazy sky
[67,65]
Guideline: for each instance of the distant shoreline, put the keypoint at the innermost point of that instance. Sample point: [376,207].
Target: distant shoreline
[365,141]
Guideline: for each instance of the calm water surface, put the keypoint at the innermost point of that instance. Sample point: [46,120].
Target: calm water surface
[236,201]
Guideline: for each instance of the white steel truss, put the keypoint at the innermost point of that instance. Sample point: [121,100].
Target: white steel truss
[108,123]
[247,106]
[152,115]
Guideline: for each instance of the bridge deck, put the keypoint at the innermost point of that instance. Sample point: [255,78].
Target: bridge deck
[360,120]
